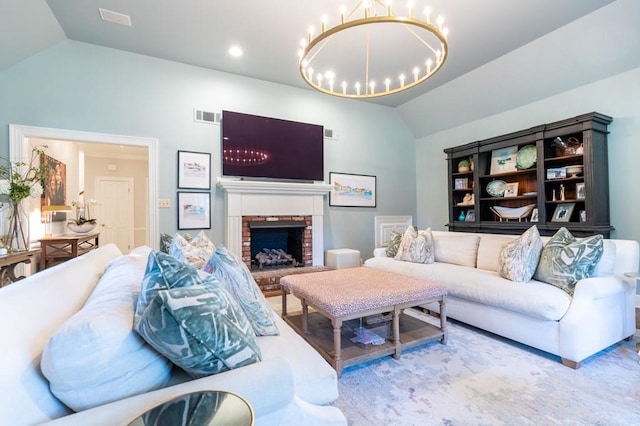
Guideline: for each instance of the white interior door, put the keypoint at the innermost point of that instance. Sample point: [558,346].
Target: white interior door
[115,212]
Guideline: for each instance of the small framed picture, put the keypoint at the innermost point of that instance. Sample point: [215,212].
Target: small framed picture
[461,183]
[534,215]
[511,190]
[583,215]
[563,212]
[580,191]
[471,216]
[557,173]
[194,210]
[194,170]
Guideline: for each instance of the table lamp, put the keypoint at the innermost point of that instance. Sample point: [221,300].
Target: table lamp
[48,211]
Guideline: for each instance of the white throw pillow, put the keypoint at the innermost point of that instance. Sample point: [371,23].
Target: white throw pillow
[519,258]
[416,246]
[456,249]
[488,251]
[95,357]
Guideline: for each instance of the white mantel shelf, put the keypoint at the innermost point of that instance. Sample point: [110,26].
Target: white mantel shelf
[268,187]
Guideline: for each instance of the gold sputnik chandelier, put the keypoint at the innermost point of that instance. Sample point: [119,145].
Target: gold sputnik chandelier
[389,53]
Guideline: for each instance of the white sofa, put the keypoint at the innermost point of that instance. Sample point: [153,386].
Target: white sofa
[600,313]
[292,384]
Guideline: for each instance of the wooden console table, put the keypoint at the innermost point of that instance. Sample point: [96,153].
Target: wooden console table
[8,263]
[59,248]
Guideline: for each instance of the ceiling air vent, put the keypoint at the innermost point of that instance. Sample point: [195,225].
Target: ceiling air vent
[330,134]
[206,116]
[115,17]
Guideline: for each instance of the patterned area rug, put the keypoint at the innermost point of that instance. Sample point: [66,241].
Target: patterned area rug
[481,379]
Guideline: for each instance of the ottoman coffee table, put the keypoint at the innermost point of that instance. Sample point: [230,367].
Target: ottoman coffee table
[345,296]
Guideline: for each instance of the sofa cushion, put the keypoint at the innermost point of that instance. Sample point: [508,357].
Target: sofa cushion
[394,242]
[565,260]
[456,249]
[535,299]
[236,278]
[488,251]
[607,262]
[95,357]
[519,258]
[195,252]
[416,246]
[200,328]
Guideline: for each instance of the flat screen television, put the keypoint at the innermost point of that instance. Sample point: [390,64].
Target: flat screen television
[271,148]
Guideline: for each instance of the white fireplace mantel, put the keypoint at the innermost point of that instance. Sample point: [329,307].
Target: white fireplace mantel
[266,198]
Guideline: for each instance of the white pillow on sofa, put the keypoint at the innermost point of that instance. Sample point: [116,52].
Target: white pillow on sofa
[456,249]
[95,357]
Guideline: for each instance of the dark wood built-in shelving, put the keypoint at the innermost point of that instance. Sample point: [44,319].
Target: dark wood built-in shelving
[589,130]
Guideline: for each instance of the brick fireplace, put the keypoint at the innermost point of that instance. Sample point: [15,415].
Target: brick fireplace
[248,201]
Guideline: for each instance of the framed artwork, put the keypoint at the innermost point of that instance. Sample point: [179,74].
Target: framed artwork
[503,160]
[194,210]
[54,187]
[556,173]
[534,215]
[583,215]
[471,216]
[461,183]
[563,212]
[351,190]
[511,189]
[580,191]
[194,170]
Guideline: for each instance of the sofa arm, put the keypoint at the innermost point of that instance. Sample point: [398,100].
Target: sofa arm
[380,252]
[267,385]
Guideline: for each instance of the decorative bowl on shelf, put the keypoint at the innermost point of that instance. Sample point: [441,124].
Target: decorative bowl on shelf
[81,229]
[574,171]
[512,212]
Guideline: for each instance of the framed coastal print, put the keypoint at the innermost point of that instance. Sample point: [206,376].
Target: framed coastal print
[580,191]
[503,160]
[534,215]
[194,210]
[563,212]
[511,189]
[350,190]
[194,170]
[461,183]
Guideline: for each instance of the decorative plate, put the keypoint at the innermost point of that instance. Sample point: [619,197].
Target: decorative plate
[496,188]
[526,157]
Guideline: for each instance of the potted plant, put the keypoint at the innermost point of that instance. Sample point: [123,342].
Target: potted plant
[463,166]
[83,221]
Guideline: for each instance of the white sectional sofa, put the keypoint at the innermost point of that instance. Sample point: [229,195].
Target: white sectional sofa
[292,384]
[601,311]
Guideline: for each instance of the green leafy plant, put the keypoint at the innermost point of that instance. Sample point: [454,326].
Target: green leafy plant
[20,180]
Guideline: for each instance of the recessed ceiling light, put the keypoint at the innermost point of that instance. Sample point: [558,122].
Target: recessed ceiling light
[115,17]
[235,51]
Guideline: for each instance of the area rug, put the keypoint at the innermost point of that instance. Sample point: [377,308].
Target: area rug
[481,379]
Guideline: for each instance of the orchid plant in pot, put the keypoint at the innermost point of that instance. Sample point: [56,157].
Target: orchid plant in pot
[20,180]
[83,221]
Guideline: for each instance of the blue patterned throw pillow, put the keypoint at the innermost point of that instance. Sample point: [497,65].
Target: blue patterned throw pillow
[236,278]
[192,320]
[200,329]
[565,260]
[519,258]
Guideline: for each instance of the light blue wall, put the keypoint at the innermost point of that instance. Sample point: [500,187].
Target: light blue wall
[84,87]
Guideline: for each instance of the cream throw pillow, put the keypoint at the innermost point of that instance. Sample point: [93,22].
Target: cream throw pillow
[519,258]
[195,252]
[416,246]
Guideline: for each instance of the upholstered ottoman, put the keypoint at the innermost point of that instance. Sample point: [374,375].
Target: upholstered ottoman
[346,294]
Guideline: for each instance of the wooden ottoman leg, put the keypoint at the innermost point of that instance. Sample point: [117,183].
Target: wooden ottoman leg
[395,323]
[337,345]
[443,319]
[305,316]
[284,301]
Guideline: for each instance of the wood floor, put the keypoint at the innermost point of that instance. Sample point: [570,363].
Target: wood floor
[638,318]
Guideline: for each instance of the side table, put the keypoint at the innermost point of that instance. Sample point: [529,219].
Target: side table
[204,408]
[8,263]
[65,247]
[636,276]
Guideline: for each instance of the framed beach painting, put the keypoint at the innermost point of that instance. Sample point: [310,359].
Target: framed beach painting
[194,210]
[194,170]
[351,190]
[503,160]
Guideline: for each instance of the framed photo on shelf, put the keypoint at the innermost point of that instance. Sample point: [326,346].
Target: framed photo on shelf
[503,160]
[511,189]
[194,210]
[563,212]
[534,215]
[583,215]
[461,183]
[556,173]
[349,190]
[580,195]
[194,170]
[471,216]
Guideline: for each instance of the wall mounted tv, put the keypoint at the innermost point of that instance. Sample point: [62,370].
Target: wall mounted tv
[271,148]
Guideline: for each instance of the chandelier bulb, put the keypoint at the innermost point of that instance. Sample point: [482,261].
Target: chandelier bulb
[440,22]
[410,7]
[402,77]
[387,83]
[427,12]
[343,11]
[358,88]
[372,85]
[416,71]
[324,23]
[445,31]
[344,87]
[429,63]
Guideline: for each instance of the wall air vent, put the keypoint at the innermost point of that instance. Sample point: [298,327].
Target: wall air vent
[330,134]
[206,116]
